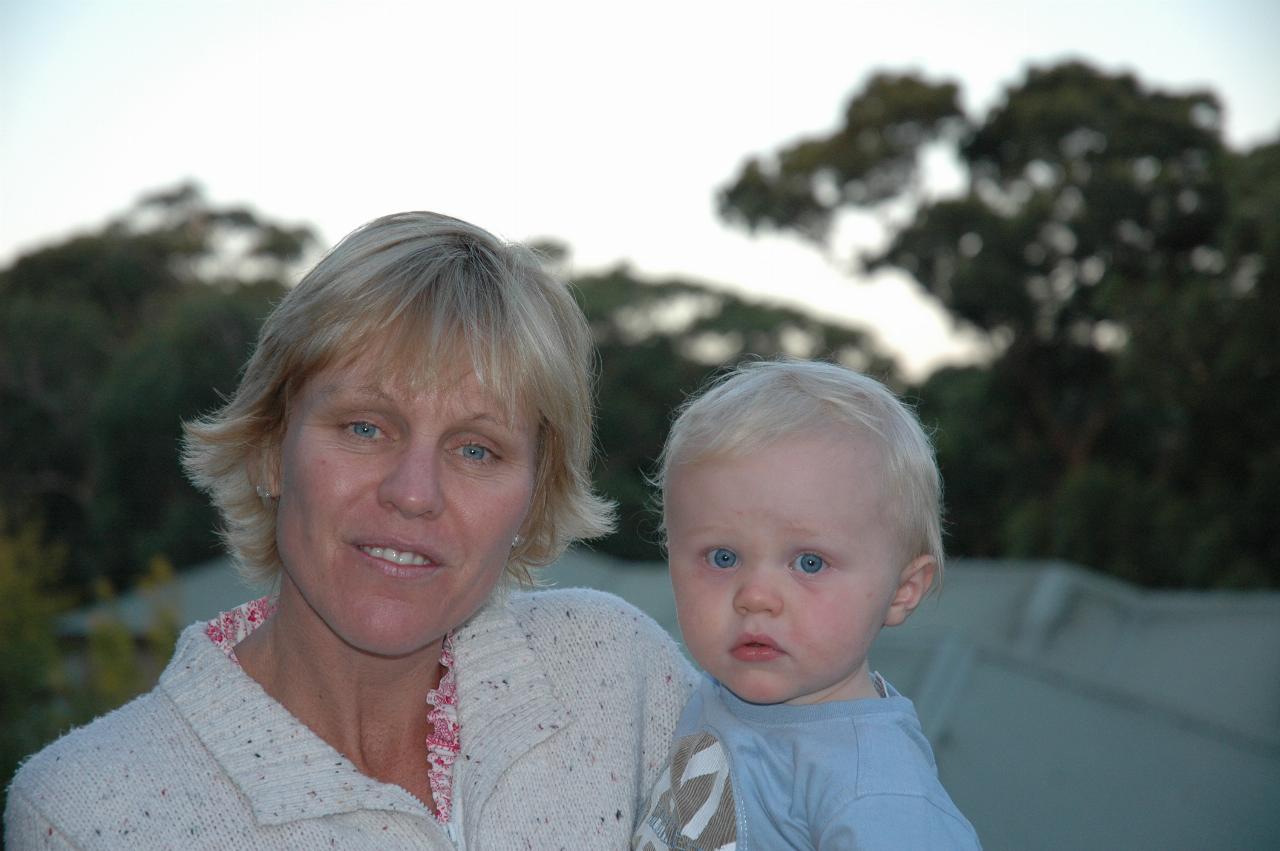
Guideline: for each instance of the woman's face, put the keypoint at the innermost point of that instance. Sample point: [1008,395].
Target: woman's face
[397,506]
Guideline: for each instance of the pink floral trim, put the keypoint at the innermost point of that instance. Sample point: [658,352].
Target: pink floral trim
[230,628]
[443,746]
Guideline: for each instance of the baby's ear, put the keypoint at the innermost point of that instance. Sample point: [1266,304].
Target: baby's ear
[913,583]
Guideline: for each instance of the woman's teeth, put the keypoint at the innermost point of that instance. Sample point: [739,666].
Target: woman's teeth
[388,554]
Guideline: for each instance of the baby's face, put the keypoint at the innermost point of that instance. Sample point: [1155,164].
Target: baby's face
[785,566]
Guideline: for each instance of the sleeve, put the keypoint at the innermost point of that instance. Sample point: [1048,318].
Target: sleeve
[885,822]
[26,828]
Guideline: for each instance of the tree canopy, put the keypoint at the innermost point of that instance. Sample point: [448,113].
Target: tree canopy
[1122,260]
[114,337]
[1118,255]
[108,340]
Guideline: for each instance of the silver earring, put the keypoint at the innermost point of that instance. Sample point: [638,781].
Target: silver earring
[264,494]
[515,542]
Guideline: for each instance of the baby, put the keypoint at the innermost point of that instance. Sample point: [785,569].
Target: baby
[801,503]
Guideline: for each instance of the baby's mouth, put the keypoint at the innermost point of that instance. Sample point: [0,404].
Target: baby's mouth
[756,648]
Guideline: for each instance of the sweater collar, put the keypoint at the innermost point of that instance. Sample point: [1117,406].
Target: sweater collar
[285,771]
[506,707]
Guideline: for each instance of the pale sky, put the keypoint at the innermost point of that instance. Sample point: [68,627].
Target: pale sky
[607,126]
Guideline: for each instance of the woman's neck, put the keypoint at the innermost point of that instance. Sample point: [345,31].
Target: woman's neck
[369,708]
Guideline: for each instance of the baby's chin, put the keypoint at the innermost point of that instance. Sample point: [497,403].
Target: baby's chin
[753,690]
[768,691]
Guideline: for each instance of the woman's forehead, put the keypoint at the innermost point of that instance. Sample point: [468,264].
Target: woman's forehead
[367,379]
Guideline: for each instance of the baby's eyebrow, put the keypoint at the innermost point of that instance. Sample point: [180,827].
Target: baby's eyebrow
[802,531]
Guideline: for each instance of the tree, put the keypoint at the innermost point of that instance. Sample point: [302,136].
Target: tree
[181,366]
[30,665]
[1122,261]
[107,341]
[47,689]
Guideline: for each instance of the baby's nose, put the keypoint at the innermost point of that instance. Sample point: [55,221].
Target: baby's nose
[757,596]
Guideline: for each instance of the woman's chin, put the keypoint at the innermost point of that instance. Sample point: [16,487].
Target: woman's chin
[389,631]
[373,621]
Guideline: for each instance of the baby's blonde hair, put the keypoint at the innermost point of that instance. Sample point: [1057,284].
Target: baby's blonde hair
[758,402]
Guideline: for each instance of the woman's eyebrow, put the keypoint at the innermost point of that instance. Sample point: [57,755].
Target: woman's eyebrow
[486,417]
[490,421]
[338,390]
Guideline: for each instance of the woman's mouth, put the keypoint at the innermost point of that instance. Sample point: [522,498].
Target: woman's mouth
[401,562]
[405,557]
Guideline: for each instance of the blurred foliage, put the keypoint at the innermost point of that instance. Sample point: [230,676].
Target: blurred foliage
[117,664]
[146,322]
[107,341]
[1122,261]
[51,685]
[30,664]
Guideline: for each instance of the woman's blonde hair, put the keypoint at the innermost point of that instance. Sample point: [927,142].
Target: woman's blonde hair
[760,402]
[418,290]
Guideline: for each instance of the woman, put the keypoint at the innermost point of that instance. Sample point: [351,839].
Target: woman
[414,423]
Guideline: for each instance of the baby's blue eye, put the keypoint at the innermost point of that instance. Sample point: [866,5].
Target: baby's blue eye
[363,429]
[809,563]
[722,557]
[475,452]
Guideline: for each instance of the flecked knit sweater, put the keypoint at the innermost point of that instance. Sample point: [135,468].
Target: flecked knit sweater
[566,703]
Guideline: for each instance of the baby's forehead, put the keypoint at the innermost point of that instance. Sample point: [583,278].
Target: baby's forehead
[762,469]
[790,481]
[727,447]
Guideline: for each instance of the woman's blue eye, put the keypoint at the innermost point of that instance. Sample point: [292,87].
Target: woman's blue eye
[809,563]
[722,557]
[475,452]
[365,430]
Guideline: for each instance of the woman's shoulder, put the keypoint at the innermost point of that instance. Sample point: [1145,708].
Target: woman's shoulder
[93,768]
[587,613]
[583,599]
[147,741]
[588,625]
[114,739]
[592,642]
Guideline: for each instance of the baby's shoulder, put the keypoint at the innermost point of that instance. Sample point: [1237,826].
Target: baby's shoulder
[887,785]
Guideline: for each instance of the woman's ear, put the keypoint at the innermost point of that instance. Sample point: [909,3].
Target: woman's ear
[264,473]
[913,583]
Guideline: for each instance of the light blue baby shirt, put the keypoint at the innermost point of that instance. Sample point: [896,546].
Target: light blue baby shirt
[855,774]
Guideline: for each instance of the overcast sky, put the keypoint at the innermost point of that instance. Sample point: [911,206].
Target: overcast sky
[607,126]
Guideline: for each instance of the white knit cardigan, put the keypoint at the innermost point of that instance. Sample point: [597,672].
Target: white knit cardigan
[566,704]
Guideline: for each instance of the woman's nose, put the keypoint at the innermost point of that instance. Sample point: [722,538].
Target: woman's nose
[413,485]
[756,595]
